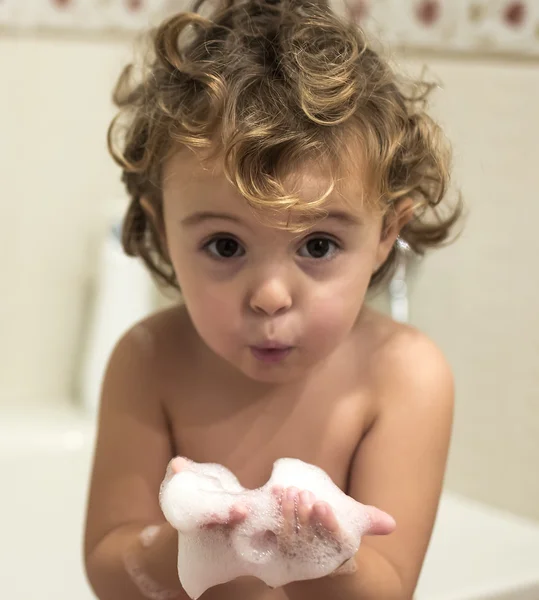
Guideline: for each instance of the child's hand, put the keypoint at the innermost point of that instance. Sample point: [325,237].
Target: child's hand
[300,509]
[237,513]
[306,518]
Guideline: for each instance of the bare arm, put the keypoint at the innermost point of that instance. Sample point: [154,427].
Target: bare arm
[399,467]
[132,452]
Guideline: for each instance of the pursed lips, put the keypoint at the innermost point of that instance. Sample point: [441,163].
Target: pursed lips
[271,352]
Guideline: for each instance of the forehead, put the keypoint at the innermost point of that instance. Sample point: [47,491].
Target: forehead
[192,183]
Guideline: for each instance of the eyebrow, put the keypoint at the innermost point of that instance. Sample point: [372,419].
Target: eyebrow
[344,217]
[200,217]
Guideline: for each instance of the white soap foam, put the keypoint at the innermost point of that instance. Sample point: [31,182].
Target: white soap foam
[149,534]
[257,546]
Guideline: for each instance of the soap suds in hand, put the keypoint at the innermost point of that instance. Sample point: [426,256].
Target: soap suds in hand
[204,493]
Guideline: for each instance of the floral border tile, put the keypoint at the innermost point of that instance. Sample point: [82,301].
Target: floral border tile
[498,26]
[101,15]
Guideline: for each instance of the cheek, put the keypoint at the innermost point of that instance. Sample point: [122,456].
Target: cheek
[213,310]
[335,308]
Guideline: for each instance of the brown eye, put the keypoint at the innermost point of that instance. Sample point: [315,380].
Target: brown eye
[225,247]
[318,248]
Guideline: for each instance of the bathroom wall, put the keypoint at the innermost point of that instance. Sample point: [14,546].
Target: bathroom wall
[56,183]
[476,298]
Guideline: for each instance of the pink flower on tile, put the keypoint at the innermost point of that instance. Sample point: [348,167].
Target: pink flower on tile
[515,14]
[134,5]
[61,3]
[428,12]
[358,10]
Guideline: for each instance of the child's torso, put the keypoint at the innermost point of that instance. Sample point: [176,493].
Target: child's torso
[216,418]
[248,438]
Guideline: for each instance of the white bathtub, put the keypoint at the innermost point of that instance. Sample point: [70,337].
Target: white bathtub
[476,553]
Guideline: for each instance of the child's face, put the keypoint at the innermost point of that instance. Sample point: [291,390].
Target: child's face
[271,302]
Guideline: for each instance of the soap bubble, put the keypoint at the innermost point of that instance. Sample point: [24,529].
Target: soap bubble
[203,494]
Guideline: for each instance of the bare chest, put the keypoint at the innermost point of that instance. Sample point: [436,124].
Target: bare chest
[247,431]
[248,435]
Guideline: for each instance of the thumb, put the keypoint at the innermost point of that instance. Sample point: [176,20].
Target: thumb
[380,522]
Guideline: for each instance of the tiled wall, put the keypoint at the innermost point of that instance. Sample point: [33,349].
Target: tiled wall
[56,183]
[505,26]
[477,299]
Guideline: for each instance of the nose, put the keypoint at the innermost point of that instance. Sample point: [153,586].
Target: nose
[271,297]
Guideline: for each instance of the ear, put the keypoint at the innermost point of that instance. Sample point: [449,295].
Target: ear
[401,214]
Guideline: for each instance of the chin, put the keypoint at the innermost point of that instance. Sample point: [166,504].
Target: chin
[275,376]
[288,371]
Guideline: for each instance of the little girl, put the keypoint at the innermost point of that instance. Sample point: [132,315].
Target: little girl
[272,160]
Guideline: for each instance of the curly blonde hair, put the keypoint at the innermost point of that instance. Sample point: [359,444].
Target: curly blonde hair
[267,86]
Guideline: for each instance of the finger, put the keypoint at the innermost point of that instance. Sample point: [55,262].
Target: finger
[324,515]
[174,466]
[238,514]
[178,464]
[277,491]
[305,506]
[288,508]
[380,522]
[213,521]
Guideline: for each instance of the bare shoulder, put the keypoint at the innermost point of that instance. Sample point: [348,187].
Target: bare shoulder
[406,365]
[160,337]
[133,444]
[166,326]
[400,463]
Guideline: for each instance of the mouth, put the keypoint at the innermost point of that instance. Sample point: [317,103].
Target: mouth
[271,346]
[271,352]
